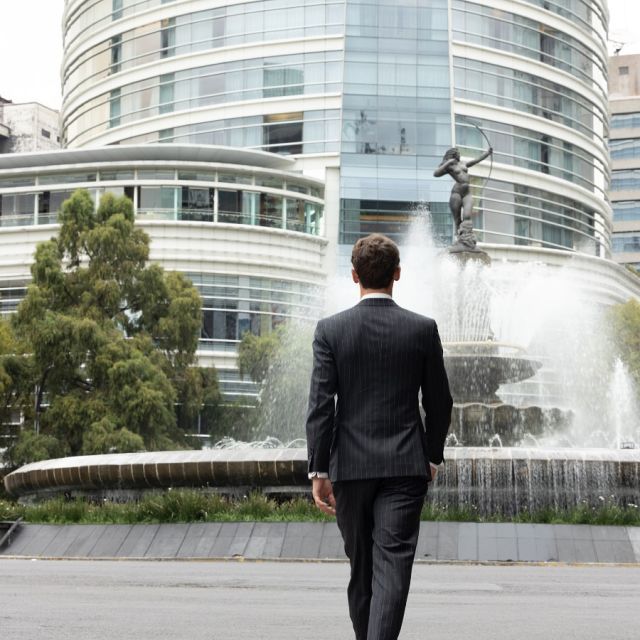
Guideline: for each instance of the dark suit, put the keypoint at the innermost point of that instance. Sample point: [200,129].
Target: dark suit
[376,357]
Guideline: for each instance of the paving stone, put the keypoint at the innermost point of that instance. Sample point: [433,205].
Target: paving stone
[541,531]
[109,543]
[487,548]
[525,530]
[618,551]
[573,532]
[566,550]
[634,538]
[241,539]
[224,540]
[527,551]
[87,537]
[331,543]
[198,540]
[447,546]
[546,549]
[62,541]
[467,541]
[25,535]
[507,549]
[259,536]
[167,541]
[275,540]
[427,546]
[36,544]
[624,551]
[601,532]
[137,543]
[585,551]
[302,540]
[502,529]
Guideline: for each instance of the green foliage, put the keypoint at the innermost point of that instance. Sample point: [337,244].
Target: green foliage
[107,342]
[625,323]
[32,447]
[256,353]
[182,505]
[189,505]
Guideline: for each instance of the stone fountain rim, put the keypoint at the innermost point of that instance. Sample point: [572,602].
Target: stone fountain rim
[240,455]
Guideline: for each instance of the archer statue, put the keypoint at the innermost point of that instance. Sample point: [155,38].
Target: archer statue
[461,200]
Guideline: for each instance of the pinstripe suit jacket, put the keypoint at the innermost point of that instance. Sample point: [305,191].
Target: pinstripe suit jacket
[376,357]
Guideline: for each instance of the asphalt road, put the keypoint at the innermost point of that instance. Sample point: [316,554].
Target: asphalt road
[83,600]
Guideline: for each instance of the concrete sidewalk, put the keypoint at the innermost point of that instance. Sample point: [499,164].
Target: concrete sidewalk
[438,541]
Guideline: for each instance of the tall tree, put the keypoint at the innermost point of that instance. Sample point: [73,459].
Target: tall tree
[108,341]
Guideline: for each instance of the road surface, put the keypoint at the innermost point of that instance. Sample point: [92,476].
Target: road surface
[125,600]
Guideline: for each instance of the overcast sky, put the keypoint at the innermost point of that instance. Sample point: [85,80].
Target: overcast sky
[31,46]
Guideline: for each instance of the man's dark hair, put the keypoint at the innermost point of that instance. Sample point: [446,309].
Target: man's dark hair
[374,259]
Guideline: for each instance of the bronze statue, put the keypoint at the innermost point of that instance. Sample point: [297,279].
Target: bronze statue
[461,200]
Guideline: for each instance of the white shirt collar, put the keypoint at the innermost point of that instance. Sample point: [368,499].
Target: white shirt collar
[375,295]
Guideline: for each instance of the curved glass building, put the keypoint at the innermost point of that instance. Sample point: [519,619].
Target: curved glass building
[379,88]
[259,139]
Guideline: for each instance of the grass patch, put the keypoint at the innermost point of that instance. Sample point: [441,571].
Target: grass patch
[187,505]
[172,506]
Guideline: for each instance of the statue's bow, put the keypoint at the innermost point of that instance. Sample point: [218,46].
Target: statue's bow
[484,135]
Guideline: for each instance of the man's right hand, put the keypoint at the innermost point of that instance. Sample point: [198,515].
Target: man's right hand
[434,471]
[323,496]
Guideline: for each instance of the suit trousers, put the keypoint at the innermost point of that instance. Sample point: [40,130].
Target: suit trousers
[379,520]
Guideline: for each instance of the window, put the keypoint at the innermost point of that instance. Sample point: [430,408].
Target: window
[623,71]
[282,81]
[230,207]
[45,134]
[115,108]
[282,132]
[197,204]
[158,202]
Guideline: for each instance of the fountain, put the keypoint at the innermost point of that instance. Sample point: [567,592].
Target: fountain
[543,416]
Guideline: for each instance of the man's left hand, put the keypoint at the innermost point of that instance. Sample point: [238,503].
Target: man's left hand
[323,496]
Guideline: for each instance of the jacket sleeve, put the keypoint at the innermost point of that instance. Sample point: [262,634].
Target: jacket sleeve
[321,413]
[436,398]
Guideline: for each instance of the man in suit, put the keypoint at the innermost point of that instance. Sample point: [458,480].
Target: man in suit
[370,455]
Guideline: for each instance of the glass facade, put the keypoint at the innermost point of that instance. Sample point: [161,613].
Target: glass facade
[623,149]
[490,27]
[625,180]
[166,194]
[626,242]
[234,304]
[396,120]
[626,211]
[584,13]
[233,25]
[254,79]
[399,83]
[526,216]
[513,89]
[533,150]
[307,132]
[625,121]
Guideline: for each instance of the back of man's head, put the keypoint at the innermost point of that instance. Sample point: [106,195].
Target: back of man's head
[375,259]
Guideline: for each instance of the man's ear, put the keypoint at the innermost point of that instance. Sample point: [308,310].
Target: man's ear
[396,274]
[354,276]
